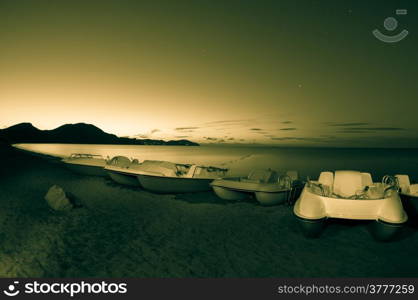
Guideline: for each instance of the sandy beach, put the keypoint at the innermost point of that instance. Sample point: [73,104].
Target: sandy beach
[128,232]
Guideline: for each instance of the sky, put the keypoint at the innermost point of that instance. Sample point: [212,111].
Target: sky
[289,72]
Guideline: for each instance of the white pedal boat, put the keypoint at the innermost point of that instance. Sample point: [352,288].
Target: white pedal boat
[168,177]
[409,196]
[120,169]
[350,195]
[406,188]
[268,187]
[86,164]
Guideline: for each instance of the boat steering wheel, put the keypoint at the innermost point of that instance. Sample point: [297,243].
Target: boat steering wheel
[391,182]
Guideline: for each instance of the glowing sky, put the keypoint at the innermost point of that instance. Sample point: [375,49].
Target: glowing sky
[272,72]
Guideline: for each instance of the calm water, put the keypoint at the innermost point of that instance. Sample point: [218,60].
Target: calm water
[240,160]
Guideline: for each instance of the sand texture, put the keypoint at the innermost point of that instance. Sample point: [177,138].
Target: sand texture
[126,232]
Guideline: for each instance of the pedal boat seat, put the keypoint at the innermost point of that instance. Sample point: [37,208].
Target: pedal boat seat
[347,184]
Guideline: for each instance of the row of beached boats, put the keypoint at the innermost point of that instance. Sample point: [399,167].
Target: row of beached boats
[341,194]
[267,186]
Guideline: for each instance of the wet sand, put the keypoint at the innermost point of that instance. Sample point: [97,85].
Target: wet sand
[127,232]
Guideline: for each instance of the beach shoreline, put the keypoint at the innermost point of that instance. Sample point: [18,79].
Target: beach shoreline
[127,232]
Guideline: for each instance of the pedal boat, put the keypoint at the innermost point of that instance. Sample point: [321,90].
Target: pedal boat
[409,196]
[167,177]
[86,164]
[266,185]
[350,195]
[120,169]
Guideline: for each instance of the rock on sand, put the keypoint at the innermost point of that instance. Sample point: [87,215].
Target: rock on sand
[57,199]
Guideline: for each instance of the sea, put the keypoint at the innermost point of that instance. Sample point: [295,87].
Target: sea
[240,160]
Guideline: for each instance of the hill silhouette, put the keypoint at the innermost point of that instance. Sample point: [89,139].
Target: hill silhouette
[79,133]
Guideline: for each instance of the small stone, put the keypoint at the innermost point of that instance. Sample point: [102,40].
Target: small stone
[57,199]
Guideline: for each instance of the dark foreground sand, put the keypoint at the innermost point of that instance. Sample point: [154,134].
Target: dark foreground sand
[124,232]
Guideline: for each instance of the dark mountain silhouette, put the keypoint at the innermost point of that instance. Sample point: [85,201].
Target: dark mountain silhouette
[79,133]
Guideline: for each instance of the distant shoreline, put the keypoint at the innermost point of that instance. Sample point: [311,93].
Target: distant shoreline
[236,145]
[79,133]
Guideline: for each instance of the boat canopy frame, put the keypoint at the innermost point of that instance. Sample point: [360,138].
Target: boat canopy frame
[85,155]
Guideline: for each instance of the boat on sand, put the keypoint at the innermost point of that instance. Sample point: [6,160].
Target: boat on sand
[350,195]
[409,196]
[120,169]
[86,164]
[169,177]
[406,188]
[268,187]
